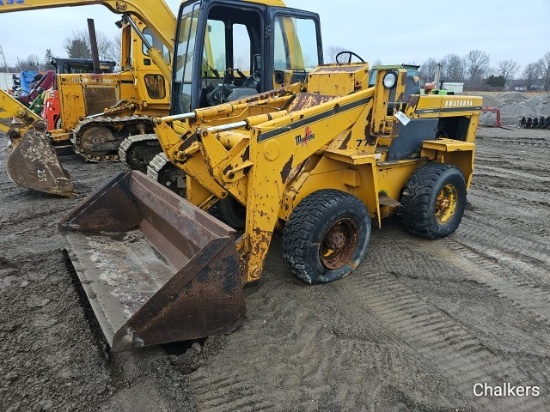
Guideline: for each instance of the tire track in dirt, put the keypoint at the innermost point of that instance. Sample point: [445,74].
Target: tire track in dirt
[528,256]
[314,353]
[535,142]
[461,356]
[523,295]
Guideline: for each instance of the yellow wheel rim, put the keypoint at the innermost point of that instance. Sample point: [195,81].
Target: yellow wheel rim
[445,204]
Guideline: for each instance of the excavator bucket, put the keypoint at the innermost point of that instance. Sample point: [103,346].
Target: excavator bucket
[155,268]
[33,164]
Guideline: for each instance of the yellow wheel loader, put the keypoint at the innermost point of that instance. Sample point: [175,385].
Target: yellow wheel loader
[321,158]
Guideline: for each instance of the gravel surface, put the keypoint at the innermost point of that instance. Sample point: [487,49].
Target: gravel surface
[415,328]
[515,105]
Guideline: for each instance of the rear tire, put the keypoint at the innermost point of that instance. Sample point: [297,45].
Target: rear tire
[326,236]
[433,201]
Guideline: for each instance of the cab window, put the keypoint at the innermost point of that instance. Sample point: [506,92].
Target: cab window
[295,44]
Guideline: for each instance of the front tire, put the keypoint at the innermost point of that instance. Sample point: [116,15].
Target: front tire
[433,202]
[326,236]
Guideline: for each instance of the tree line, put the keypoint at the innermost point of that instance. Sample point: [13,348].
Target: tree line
[76,46]
[475,71]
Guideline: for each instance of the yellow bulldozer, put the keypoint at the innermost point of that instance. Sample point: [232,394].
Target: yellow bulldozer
[319,159]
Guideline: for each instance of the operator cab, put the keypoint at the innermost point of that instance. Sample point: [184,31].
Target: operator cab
[240,49]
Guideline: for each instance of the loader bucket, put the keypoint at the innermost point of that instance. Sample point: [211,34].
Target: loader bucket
[155,268]
[33,164]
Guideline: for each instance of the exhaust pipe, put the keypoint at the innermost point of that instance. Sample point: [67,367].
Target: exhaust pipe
[155,268]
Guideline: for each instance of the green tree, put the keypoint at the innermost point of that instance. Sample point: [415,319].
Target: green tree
[48,58]
[496,81]
[77,48]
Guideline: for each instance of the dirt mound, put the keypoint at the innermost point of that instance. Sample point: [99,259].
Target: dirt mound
[515,105]
[512,97]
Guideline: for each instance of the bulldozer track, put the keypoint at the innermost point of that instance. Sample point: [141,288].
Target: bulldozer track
[151,140]
[120,126]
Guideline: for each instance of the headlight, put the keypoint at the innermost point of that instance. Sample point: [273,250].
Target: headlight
[389,81]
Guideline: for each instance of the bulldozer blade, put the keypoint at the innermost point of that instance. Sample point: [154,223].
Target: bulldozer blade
[155,268]
[33,164]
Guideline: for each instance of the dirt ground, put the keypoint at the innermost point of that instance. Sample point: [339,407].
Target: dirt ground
[414,328]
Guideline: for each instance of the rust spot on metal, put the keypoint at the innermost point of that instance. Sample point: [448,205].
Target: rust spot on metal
[402,80]
[340,241]
[185,283]
[413,100]
[287,169]
[188,142]
[307,100]
[345,142]
[371,139]
[267,95]
[395,128]
[246,154]
[227,169]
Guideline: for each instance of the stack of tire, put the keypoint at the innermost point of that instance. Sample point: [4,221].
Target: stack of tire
[535,122]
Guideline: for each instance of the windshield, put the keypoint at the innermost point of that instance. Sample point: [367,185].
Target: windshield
[295,44]
[183,62]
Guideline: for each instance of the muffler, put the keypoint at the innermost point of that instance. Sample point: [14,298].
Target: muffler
[33,164]
[155,268]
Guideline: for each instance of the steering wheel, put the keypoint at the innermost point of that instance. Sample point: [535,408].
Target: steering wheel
[350,55]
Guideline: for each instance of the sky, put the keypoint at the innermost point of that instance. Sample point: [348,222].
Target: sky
[390,32]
